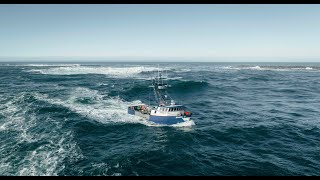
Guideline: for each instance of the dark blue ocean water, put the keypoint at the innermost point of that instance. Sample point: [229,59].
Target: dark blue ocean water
[248,119]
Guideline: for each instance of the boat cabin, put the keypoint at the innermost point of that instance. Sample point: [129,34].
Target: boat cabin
[173,110]
[170,109]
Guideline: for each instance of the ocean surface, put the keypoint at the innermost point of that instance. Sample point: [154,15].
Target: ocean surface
[71,119]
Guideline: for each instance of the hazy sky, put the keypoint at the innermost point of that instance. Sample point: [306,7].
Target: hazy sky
[161,31]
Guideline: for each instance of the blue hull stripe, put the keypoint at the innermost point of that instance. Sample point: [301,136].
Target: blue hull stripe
[166,119]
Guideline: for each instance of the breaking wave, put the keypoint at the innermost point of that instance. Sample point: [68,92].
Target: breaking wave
[50,65]
[274,68]
[44,65]
[111,71]
[104,109]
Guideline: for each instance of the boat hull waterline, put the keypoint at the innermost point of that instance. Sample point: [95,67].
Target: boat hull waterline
[158,119]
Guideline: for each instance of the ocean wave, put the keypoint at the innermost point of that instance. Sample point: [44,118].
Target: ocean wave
[188,86]
[57,125]
[48,158]
[3,127]
[182,70]
[46,151]
[48,65]
[273,68]
[182,124]
[102,108]
[111,71]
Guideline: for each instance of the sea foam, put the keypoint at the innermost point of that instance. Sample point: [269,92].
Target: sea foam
[111,71]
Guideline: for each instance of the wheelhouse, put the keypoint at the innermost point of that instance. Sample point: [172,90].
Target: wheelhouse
[170,108]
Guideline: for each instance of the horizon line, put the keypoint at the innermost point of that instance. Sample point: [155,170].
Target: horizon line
[154,59]
[45,62]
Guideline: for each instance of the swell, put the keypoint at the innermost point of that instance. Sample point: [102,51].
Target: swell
[188,86]
[274,68]
[248,122]
[117,72]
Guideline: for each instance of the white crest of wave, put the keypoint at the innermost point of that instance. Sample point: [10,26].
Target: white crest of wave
[2,127]
[231,68]
[50,65]
[47,160]
[112,71]
[227,67]
[183,70]
[244,68]
[185,124]
[14,114]
[103,109]
[270,68]
[255,67]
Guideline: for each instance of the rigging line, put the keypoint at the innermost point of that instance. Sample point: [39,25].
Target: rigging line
[149,97]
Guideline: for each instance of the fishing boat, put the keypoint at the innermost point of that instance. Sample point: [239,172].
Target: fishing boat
[166,111]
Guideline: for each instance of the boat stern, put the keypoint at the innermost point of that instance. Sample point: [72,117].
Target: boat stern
[131,110]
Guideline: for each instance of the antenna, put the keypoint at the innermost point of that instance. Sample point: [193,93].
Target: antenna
[161,79]
[149,97]
[158,74]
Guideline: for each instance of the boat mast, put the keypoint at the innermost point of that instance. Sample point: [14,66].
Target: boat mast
[159,88]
